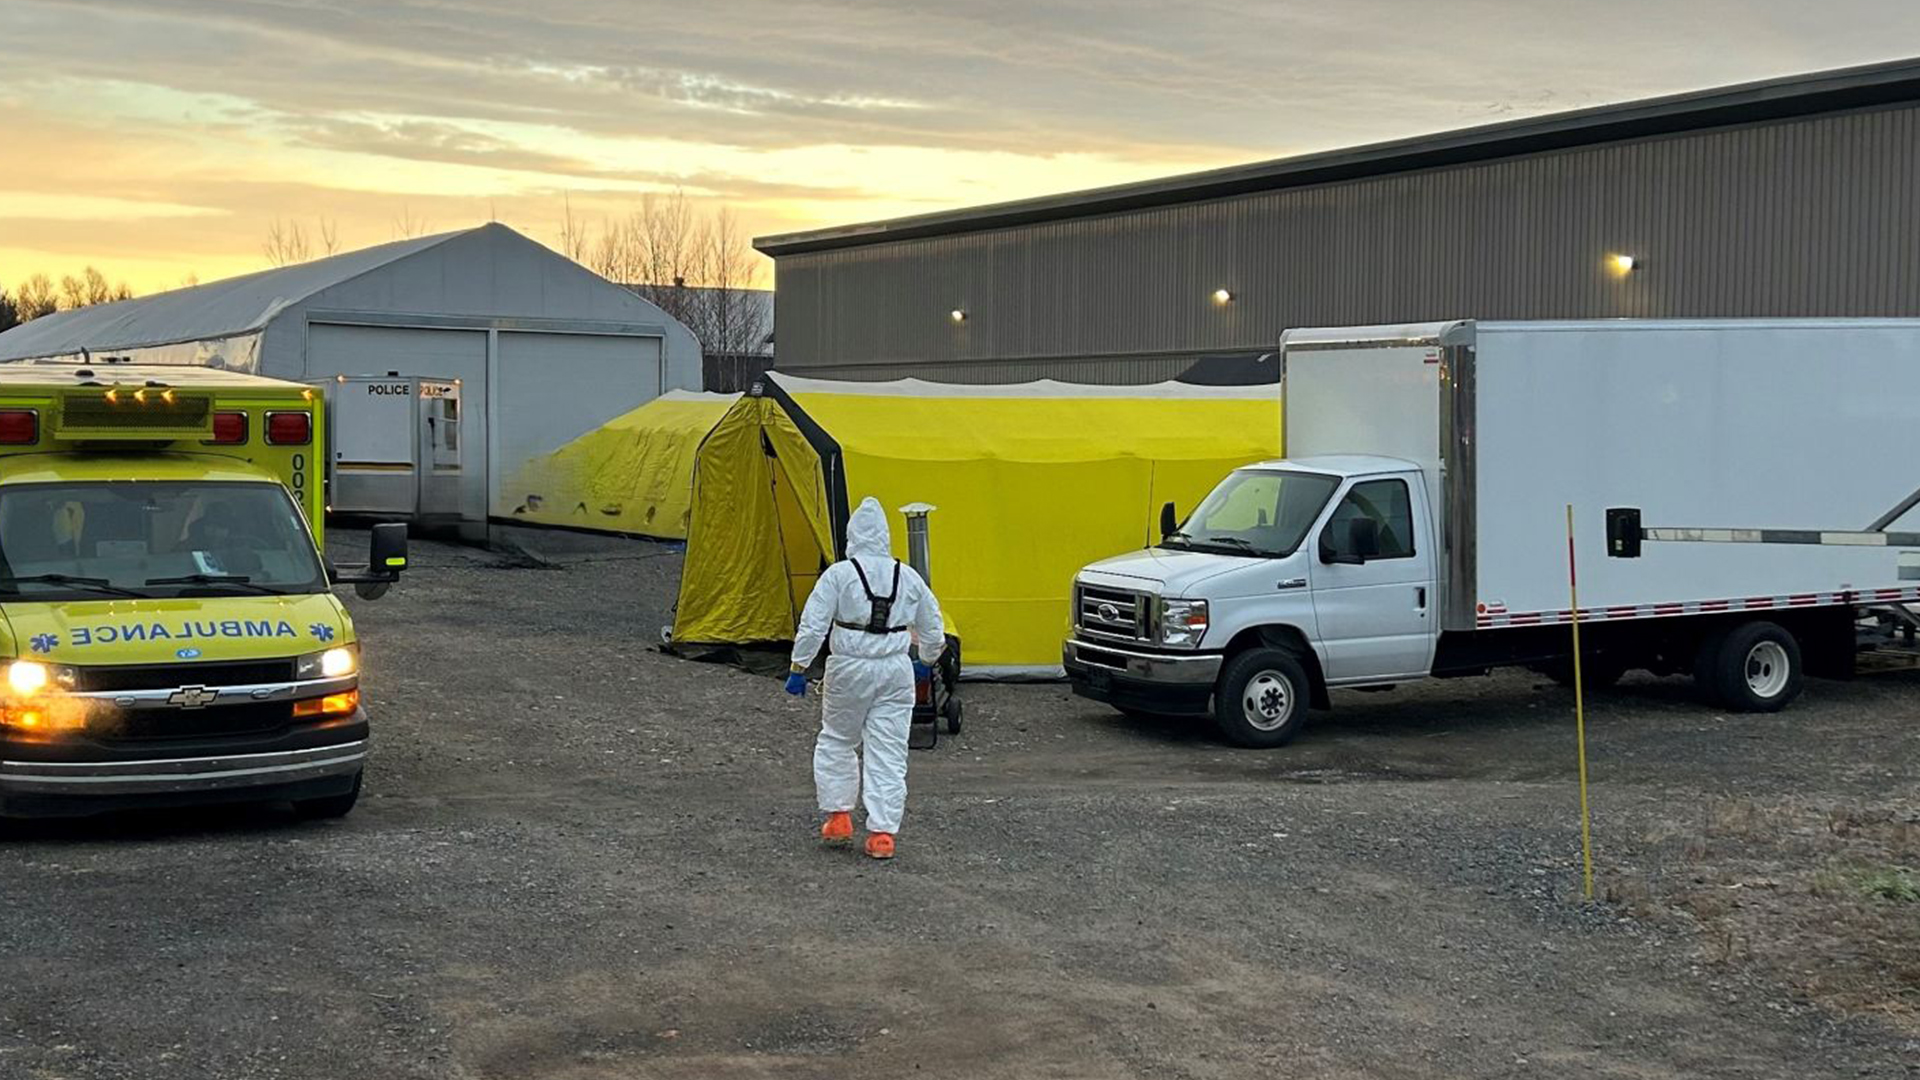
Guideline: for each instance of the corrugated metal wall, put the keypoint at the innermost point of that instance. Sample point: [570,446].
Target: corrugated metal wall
[1806,217]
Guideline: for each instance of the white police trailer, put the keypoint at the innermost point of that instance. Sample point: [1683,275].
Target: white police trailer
[396,447]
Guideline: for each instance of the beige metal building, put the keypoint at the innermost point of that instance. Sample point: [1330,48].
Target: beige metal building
[1793,197]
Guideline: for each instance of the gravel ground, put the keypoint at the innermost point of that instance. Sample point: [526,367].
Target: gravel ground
[580,858]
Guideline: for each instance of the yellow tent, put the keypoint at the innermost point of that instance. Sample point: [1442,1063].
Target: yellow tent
[633,474]
[1031,481]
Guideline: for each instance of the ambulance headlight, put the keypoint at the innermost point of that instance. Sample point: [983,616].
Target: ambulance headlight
[1183,622]
[25,678]
[334,663]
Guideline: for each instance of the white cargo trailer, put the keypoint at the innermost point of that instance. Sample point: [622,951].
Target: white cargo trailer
[1418,525]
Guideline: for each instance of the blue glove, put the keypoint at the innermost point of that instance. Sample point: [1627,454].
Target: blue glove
[797,684]
[921,671]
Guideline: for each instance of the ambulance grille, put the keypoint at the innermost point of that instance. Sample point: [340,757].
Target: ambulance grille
[253,718]
[171,676]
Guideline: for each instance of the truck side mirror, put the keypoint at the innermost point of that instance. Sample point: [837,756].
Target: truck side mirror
[386,558]
[1623,532]
[1169,521]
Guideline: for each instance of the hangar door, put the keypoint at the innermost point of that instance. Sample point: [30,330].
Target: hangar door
[553,388]
[441,354]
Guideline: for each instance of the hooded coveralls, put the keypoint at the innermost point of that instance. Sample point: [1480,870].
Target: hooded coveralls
[869,687]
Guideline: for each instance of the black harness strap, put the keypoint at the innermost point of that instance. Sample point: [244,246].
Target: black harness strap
[882,606]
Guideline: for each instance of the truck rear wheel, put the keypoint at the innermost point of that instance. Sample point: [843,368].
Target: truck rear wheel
[330,806]
[1754,667]
[1261,700]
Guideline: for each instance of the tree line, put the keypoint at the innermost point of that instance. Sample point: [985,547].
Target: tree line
[694,266]
[38,295]
[691,265]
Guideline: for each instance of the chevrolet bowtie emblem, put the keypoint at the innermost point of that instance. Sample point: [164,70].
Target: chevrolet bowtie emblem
[193,697]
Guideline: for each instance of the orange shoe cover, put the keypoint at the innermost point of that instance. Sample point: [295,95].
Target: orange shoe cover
[838,829]
[880,845]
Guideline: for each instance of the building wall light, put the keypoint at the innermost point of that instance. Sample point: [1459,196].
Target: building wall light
[1623,264]
[957,315]
[1222,297]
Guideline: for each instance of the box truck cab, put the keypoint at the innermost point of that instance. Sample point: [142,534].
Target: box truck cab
[168,632]
[1422,529]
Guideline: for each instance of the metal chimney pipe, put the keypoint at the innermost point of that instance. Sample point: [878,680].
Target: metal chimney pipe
[919,553]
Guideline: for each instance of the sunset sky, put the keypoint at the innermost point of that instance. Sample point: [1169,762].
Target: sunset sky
[158,139]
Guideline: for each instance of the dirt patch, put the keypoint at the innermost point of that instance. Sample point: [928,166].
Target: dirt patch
[580,858]
[1823,893]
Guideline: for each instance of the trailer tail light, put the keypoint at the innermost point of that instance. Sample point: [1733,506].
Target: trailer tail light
[289,428]
[229,429]
[19,427]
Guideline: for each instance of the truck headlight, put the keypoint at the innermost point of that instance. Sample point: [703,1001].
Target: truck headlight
[1183,622]
[334,663]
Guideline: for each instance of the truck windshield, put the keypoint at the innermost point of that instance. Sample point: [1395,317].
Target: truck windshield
[1257,512]
[153,538]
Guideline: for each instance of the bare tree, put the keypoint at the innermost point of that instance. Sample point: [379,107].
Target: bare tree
[91,288]
[286,243]
[9,315]
[725,317]
[329,236]
[191,279]
[573,239]
[406,226]
[697,268]
[35,297]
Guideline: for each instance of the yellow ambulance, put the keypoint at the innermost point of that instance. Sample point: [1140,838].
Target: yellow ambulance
[168,629]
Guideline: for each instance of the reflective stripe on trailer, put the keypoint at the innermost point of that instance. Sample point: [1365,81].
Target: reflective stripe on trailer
[1494,615]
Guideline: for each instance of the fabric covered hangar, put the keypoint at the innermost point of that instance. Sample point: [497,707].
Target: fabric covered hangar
[544,349]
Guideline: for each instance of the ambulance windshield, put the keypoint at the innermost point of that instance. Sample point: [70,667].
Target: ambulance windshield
[153,539]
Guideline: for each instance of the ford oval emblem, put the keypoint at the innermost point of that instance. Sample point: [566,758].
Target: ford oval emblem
[186,654]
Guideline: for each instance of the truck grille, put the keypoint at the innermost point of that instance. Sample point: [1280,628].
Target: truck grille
[168,676]
[251,718]
[1115,613]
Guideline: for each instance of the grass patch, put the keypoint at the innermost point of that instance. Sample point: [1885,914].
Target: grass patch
[1895,883]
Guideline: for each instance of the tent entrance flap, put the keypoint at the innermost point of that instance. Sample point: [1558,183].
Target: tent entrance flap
[800,553]
[760,530]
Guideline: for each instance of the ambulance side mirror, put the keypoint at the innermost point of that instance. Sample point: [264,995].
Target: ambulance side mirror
[386,558]
[1169,520]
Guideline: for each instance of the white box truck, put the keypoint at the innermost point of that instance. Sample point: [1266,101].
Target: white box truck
[1417,527]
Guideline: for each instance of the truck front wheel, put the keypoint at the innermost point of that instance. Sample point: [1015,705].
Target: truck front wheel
[1754,667]
[1261,700]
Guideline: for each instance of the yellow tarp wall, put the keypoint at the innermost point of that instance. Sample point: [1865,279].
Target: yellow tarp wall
[633,474]
[1031,483]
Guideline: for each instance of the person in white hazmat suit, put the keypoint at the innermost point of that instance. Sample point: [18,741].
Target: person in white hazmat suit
[874,607]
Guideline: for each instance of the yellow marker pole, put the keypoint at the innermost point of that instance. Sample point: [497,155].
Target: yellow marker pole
[1579,708]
